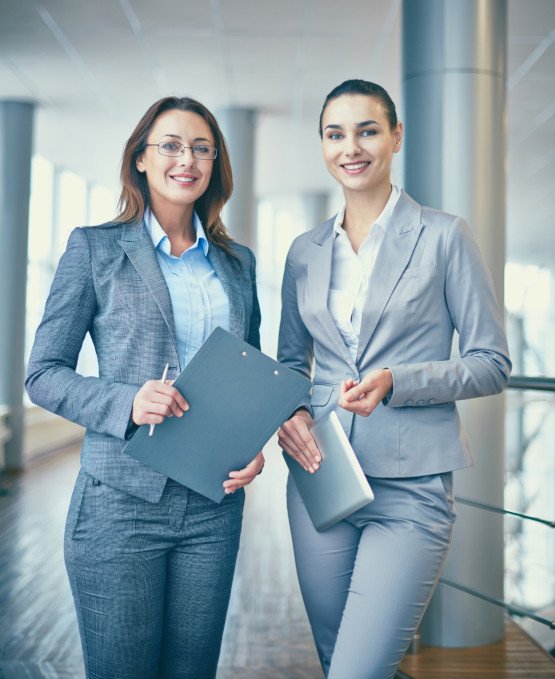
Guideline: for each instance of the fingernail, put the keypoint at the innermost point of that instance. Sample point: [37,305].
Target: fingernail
[227,491]
[317,458]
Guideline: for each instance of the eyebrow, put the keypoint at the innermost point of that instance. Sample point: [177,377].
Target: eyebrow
[177,136]
[364,123]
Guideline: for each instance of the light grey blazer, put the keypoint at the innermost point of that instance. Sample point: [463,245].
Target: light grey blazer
[109,283]
[429,280]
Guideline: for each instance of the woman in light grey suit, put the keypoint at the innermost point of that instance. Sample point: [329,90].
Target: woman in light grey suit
[150,562]
[371,299]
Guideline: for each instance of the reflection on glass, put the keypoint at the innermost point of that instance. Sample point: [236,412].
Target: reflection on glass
[529,488]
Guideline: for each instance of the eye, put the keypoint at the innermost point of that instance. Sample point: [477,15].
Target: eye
[171,146]
[201,148]
[335,136]
[368,133]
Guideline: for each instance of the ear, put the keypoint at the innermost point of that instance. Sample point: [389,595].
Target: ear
[140,163]
[398,136]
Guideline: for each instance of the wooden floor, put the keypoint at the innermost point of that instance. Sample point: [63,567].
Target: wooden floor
[267,634]
[517,656]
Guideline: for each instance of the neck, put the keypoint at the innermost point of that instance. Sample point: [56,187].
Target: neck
[362,208]
[176,220]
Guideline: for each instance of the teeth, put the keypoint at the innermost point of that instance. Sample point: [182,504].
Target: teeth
[184,180]
[355,166]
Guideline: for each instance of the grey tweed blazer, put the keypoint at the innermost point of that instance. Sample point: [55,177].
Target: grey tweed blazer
[109,283]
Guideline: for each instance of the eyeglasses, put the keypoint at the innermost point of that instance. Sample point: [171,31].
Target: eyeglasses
[174,148]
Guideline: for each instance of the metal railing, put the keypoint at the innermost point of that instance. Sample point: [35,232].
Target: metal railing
[513,610]
[521,382]
[501,510]
[532,383]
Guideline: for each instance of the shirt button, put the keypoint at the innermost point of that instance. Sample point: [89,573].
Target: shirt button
[200,316]
[193,285]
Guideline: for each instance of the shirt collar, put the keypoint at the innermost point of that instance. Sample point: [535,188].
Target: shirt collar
[383,219]
[161,241]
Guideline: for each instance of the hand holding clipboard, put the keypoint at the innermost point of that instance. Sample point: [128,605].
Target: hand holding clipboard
[237,398]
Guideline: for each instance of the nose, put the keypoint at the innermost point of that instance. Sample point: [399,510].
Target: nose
[187,158]
[352,147]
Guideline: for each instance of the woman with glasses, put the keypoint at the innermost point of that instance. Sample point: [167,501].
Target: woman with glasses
[371,299]
[150,561]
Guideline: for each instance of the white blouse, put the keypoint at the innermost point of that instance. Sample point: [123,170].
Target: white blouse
[350,272]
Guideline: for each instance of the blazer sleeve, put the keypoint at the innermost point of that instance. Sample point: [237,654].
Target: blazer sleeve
[295,343]
[254,324]
[484,365]
[52,382]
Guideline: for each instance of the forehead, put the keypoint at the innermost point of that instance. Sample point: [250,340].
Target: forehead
[349,109]
[182,123]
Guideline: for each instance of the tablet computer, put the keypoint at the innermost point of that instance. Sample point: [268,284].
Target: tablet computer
[339,487]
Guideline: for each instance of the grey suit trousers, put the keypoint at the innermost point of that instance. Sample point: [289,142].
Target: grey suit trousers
[367,580]
[151,581]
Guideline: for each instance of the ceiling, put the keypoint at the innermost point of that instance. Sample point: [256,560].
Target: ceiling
[95,66]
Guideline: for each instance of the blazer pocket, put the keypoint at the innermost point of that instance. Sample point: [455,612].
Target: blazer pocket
[419,271]
[321,394]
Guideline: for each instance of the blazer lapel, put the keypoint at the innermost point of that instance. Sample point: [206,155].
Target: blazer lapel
[319,276]
[138,247]
[227,274]
[394,255]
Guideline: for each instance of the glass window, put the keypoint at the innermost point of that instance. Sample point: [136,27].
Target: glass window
[71,208]
[530,304]
[102,205]
[39,249]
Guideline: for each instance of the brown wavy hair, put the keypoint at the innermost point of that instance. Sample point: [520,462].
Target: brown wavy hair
[135,197]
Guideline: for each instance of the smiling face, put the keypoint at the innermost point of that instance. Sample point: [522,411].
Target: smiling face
[358,142]
[177,180]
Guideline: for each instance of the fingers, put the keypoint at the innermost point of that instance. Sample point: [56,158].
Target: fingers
[156,399]
[295,438]
[351,391]
[166,393]
[243,477]
[363,406]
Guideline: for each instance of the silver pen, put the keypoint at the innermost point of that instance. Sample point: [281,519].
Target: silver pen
[163,380]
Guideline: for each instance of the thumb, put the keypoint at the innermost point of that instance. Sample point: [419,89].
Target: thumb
[354,393]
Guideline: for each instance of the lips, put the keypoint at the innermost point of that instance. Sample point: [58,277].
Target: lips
[356,168]
[184,179]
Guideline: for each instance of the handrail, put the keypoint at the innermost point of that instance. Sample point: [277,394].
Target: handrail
[513,610]
[531,383]
[502,510]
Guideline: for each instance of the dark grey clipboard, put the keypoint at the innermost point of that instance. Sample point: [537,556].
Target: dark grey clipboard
[238,398]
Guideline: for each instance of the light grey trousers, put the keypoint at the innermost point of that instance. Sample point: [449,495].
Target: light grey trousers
[367,580]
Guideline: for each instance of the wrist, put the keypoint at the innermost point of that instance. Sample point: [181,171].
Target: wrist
[302,412]
[388,376]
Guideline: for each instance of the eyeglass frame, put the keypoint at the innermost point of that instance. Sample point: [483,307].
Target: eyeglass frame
[183,147]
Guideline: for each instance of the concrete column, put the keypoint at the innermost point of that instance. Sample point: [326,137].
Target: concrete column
[16,143]
[238,125]
[315,205]
[454,74]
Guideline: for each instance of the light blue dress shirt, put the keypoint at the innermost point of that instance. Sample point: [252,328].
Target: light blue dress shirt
[199,301]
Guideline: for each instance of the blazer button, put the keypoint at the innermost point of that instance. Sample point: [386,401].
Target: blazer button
[431,400]
[409,402]
[420,402]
